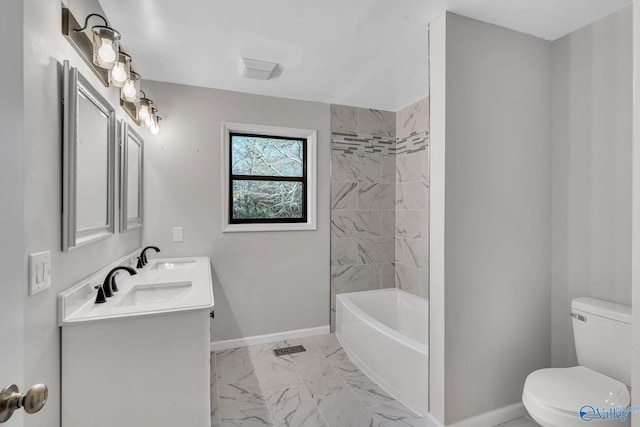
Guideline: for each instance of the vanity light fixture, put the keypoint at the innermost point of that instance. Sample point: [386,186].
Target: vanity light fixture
[130,91]
[149,121]
[144,106]
[121,71]
[101,51]
[106,42]
[155,127]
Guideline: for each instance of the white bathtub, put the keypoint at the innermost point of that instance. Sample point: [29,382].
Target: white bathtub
[386,334]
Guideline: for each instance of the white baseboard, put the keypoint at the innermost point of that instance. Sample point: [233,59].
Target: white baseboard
[432,421]
[495,417]
[262,339]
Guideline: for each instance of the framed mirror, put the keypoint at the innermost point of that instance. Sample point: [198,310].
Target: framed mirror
[89,132]
[131,178]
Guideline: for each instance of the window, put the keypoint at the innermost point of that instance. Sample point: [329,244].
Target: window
[269,178]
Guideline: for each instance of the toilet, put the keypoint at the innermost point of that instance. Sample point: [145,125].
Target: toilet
[597,390]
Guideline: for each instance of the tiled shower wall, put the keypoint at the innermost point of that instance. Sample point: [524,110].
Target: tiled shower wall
[379,200]
[412,199]
[363,199]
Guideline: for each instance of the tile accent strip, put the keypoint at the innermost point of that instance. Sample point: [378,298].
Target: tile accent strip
[362,144]
[416,141]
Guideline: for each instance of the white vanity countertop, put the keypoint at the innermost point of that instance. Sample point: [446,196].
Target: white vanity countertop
[162,286]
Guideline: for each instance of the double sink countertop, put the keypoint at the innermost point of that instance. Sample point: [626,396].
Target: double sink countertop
[162,286]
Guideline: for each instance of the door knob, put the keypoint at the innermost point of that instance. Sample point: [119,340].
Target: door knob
[32,401]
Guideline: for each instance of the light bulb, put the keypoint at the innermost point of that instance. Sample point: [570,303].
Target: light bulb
[149,121]
[143,114]
[118,73]
[129,90]
[154,129]
[106,52]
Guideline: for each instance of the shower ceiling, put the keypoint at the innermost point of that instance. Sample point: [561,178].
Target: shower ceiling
[368,53]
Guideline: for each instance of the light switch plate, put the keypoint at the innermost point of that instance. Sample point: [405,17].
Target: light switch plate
[178,234]
[39,272]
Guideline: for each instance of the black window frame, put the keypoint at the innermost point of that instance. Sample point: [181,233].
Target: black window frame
[302,179]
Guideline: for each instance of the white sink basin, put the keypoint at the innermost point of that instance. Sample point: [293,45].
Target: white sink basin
[154,293]
[178,265]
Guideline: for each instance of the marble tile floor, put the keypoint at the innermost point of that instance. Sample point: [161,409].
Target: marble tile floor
[251,387]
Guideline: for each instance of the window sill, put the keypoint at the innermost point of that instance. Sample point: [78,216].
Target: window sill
[240,228]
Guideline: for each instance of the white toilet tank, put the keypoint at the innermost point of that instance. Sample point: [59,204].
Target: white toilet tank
[602,333]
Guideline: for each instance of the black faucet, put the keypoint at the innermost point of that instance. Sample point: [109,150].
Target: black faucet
[109,285]
[142,259]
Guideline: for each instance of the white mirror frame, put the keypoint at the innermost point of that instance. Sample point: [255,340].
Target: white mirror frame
[73,85]
[129,136]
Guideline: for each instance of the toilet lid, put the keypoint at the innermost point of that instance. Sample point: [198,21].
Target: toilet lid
[569,389]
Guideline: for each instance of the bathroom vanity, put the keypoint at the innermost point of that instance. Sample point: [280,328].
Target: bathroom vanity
[143,357]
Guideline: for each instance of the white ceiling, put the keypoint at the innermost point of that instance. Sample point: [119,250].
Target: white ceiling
[368,53]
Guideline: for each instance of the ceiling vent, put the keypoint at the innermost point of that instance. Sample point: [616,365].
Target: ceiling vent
[254,69]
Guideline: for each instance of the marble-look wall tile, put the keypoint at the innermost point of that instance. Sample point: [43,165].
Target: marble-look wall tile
[344,195]
[388,223]
[387,275]
[412,166]
[356,167]
[412,195]
[376,250]
[412,280]
[363,144]
[413,118]
[344,251]
[412,252]
[355,278]
[376,196]
[412,223]
[356,223]
[344,119]
[388,169]
[376,122]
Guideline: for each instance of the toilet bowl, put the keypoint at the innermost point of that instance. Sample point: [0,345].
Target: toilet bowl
[596,391]
[569,397]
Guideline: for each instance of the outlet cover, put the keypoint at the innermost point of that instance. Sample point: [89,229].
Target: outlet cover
[178,234]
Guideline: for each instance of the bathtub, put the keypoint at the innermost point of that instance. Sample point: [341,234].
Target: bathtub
[386,334]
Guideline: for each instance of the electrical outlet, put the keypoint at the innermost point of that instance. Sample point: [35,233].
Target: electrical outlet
[39,272]
[178,234]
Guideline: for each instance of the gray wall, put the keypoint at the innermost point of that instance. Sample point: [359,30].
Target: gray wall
[494,283]
[44,50]
[635,228]
[591,204]
[264,282]
[363,197]
[11,194]
[412,198]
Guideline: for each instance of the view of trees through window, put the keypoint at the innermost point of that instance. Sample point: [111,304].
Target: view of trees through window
[267,181]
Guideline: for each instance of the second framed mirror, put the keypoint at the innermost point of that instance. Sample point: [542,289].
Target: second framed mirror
[131,178]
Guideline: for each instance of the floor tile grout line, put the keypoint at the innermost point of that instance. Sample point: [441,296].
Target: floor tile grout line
[349,386]
[264,395]
[304,384]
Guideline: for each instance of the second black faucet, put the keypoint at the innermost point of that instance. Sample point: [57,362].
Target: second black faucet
[142,259]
